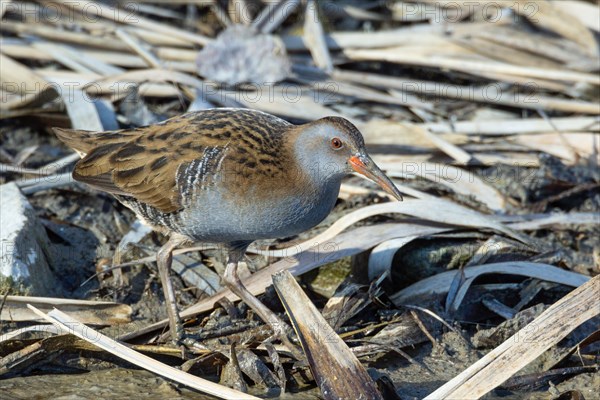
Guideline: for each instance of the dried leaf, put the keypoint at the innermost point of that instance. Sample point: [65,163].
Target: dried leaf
[331,361]
[240,54]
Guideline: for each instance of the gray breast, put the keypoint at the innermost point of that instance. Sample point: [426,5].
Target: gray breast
[215,219]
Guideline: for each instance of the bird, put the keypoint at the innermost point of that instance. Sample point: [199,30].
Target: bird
[228,176]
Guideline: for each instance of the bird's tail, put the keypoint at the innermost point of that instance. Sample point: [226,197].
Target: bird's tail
[80,141]
[83,142]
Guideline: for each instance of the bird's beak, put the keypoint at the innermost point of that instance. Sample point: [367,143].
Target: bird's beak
[365,166]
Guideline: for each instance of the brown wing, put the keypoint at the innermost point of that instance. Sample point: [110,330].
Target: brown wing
[147,163]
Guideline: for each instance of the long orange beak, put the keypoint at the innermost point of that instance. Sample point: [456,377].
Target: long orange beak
[365,166]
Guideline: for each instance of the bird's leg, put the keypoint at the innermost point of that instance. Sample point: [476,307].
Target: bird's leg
[233,282]
[164,259]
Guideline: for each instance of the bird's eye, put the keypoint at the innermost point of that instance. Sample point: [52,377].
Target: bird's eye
[336,143]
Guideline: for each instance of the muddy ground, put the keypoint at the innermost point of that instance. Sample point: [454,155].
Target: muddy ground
[85,227]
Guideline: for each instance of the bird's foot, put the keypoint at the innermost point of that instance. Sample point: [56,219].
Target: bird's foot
[284,336]
[185,342]
[180,338]
[189,343]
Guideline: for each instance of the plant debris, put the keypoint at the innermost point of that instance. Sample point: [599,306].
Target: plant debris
[486,115]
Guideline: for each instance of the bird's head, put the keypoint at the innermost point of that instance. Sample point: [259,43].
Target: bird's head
[332,147]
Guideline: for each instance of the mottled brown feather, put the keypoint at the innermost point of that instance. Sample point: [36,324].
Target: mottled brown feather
[147,163]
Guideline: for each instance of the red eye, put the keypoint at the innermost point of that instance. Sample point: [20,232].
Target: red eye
[336,143]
